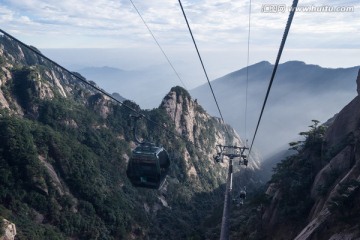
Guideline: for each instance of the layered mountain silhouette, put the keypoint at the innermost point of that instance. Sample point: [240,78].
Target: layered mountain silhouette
[300,92]
[146,86]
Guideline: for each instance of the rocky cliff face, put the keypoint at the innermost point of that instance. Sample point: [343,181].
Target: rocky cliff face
[334,214]
[33,77]
[333,188]
[189,117]
[193,122]
[9,230]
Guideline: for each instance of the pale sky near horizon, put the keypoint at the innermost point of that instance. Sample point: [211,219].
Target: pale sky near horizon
[324,37]
[96,33]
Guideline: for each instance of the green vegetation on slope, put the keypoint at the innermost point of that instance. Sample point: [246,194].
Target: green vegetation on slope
[293,177]
[62,164]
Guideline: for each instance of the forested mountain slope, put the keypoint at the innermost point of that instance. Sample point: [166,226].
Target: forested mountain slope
[64,150]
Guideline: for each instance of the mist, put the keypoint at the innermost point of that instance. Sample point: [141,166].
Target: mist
[152,77]
[300,93]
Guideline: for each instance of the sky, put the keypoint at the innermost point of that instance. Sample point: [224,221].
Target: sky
[96,33]
[323,37]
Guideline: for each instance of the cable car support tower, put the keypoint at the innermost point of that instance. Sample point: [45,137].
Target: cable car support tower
[231,152]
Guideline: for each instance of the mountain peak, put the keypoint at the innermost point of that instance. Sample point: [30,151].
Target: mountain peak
[178,103]
[180,91]
[294,62]
[261,63]
[194,123]
[117,96]
[358,83]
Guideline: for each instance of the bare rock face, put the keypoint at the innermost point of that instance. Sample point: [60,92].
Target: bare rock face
[3,102]
[179,106]
[346,122]
[44,90]
[5,75]
[343,236]
[101,104]
[314,225]
[51,75]
[340,164]
[44,83]
[9,229]
[322,215]
[181,109]
[194,123]
[358,83]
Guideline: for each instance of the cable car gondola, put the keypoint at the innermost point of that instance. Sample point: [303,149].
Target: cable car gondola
[148,165]
[242,196]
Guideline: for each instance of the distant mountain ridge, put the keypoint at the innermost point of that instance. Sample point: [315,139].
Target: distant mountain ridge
[118,97]
[300,92]
[145,86]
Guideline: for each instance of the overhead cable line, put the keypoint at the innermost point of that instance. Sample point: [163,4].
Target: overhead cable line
[286,32]
[96,88]
[247,72]
[157,42]
[202,64]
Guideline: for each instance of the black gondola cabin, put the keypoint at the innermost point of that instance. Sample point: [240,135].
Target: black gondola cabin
[148,166]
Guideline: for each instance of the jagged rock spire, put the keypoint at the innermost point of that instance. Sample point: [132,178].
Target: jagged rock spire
[358,83]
